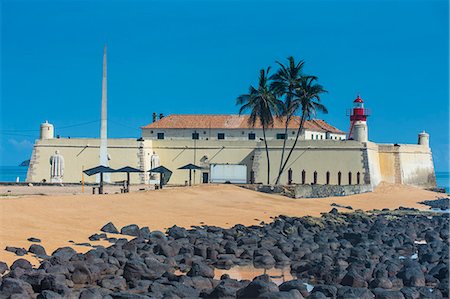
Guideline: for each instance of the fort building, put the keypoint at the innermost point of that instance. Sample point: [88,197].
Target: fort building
[323,154]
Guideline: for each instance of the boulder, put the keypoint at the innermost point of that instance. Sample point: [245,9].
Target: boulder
[21,263]
[82,275]
[49,295]
[109,228]
[16,250]
[201,269]
[296,284]
[130,230]
[385,294]
[34,240]
[177,232]
[256,288]
[3,267]
[353,279]
[354,293]
[64,253]
[91,293]
[12,286]
[37,250]
[292,294]
[114,284]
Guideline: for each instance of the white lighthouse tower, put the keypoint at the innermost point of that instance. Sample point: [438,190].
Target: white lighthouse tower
[358,121]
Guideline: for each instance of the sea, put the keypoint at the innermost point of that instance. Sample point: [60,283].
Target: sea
[11,173]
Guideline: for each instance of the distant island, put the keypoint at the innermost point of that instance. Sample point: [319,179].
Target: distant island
[25,163]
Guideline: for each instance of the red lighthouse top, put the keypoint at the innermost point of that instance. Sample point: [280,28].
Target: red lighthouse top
[358,100]
[358,112]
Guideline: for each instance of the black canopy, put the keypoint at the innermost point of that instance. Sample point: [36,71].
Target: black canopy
[128,169]
[98,169]
[160,169]
[190,166]
[165,174]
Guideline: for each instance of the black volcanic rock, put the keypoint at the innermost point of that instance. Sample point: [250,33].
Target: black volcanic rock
[109,228]
[130,230]
[395,254]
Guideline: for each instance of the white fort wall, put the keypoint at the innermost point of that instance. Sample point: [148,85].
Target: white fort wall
[408,164]
[320,156]
[83,153]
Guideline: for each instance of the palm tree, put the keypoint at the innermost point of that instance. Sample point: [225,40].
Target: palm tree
[308,96]
[263,106]
[285,81]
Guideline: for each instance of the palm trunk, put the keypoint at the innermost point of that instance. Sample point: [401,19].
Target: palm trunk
[283,150]
[302,122]
[267,154]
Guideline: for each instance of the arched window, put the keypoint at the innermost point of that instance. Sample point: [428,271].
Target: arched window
[328,177]
[303,177]
[339,178]
[315,178]
[349,177]
[358,178]
[290,176]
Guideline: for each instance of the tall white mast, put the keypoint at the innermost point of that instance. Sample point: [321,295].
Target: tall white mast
[104,122]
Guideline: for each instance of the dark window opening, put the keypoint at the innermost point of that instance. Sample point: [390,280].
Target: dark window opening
[160,135]
[281,136]
[221,136]
[315,178]
[350,178]
[195,135]
[358,178]
[290,176]
[251,136]
[303,177]
[328,177]
[339,178]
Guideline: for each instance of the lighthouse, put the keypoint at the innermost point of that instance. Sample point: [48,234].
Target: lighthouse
[358,121]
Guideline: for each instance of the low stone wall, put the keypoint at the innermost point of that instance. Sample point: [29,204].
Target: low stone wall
[315,191]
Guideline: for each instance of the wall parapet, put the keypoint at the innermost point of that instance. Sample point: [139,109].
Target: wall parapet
[317,191]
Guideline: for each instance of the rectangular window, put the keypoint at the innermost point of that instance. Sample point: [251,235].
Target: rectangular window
[195,135]
[220,135]
[281,136]
[251,136]
[160,135]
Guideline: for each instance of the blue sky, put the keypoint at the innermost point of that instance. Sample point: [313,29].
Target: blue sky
[198,56]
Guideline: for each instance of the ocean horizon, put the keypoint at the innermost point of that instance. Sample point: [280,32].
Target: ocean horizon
[11,173]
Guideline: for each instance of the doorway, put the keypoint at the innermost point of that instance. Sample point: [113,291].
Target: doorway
[205,177]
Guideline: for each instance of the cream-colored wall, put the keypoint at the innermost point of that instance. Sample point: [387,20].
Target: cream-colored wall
[417,165]
[320,156]
[84,154]
[176,153]
[409,164]
[387,160]
[231,134]
[373,164]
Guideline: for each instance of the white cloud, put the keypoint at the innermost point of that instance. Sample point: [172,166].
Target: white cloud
[21,144]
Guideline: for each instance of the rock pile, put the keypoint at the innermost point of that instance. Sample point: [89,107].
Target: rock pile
[440,204]
[356,255]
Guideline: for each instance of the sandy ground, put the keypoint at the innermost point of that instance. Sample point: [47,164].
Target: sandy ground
[56,219]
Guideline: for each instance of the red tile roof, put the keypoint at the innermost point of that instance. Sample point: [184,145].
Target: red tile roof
[231,121]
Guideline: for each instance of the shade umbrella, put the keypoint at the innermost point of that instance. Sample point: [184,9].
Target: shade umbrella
[99,169]
[165,174]
[191,167]
[128,170]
